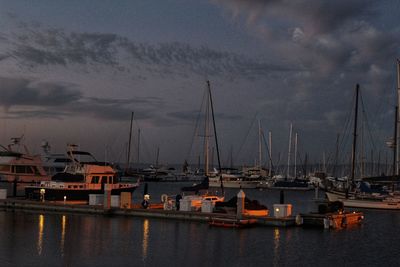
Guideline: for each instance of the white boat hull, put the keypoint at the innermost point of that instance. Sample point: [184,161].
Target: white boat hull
[234,184]
[388,203]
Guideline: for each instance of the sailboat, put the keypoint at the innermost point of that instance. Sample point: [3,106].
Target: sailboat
[352,196]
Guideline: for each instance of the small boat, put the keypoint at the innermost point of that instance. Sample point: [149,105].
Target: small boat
[20,167]
[231,222]
[79,179]
[232,179]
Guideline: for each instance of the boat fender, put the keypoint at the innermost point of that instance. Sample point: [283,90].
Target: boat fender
[164,198]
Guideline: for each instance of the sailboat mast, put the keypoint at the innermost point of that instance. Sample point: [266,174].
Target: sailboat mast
[206,135]
[270,153]
[295,155]
[395,144]
[259,145]
[129,144]
[353,156]
[397,114]
[215,134]
[289,152]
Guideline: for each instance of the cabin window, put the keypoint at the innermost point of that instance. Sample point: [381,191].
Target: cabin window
[20,169]
[95,179]
[110,180]
[5,168]
[104,179]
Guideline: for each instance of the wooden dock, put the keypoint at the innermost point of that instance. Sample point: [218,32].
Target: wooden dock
[13,204]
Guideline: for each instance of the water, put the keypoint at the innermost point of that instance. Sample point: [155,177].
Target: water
[35,239]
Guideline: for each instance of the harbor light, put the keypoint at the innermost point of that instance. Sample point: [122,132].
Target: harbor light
[65,199]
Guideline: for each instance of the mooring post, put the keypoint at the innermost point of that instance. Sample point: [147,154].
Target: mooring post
[240,204]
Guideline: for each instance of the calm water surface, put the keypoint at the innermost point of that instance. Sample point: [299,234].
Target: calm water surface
[35,239]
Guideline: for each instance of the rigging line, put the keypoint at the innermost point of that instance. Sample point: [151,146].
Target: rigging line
[345,136]
[196,127]
[267,148]
[365,119]
[245,139]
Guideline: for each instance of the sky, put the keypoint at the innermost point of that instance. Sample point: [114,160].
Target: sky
[74,71]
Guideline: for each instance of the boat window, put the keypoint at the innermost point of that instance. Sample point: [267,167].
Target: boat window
[110,181]
[20,169]
[5,168]
[114,179]
[104,179]
[95,179]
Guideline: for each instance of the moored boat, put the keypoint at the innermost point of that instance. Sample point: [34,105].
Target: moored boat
[79,179]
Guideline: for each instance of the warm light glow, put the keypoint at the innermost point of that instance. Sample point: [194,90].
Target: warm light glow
[277,209]
[63,224]
[276,247]
[40,236]
[145,243]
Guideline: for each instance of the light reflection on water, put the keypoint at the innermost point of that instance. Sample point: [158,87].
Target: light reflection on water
[276,247]
[145,243]
[40,235]
[62,242]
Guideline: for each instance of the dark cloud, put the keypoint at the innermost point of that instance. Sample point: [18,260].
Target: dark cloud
[57,47]
[27,98]
[21,91]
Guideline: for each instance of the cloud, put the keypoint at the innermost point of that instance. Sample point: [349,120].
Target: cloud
[27,98]
[36,47]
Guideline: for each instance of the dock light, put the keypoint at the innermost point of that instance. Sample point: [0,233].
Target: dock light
[65,199]
[277,209]
[147,197]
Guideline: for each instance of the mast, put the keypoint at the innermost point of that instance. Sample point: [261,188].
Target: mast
[395,144]
[138,147]
[129,144]
[397,115]
[289,152]
[353,156]
[215,134]
[270,153]
[206,135]
[295,155]
[259,145]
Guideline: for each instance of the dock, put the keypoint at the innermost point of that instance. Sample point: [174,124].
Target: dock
[155,211]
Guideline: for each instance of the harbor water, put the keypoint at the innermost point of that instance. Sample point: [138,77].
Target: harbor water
[54,239]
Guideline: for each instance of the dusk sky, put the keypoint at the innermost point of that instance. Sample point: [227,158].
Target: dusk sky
[73,71]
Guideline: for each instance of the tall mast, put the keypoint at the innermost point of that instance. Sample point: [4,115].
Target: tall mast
[397,114]
[215,134]
[259,145]
[353,156]
[138,147]
[395,144]
[129,144]
[289,152]
[270,153]
[206,135]
[295,155]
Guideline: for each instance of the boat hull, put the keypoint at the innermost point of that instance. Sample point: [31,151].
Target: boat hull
[235,184]
[384,204]
[54,194]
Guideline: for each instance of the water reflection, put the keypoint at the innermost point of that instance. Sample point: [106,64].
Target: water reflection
[62,242]
[276,246]
[145,242]
[40,236]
